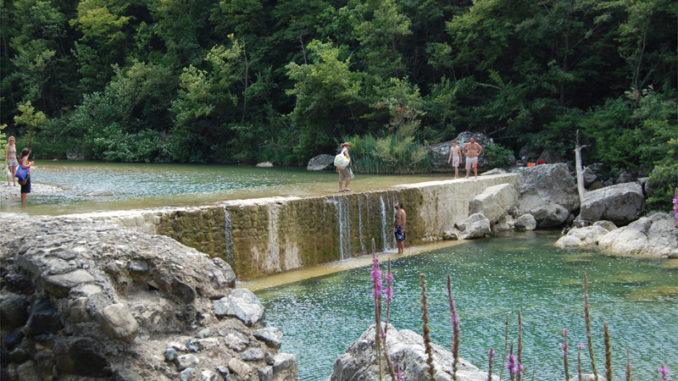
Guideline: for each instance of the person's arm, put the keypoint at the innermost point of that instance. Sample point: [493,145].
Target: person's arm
[7,153]
[480,149]
[404,220]
[449,157]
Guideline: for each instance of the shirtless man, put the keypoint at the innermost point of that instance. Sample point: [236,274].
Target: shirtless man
[454,157]
[399,226]
[472,150]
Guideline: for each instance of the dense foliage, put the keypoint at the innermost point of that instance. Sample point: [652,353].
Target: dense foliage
[239,81]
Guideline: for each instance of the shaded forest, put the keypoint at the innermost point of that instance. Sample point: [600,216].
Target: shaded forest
[242,81]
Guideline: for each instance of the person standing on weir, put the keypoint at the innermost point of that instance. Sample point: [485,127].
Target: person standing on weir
[399,226]
[454,157]
[472,150]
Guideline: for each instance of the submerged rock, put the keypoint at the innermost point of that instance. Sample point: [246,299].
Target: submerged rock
[475,226]
[406,351]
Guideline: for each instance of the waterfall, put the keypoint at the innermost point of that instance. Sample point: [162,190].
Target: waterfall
[384,223]
[360,224]
[342,210]
[229,247]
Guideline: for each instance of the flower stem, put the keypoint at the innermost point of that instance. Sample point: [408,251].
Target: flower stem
[608,352]
[426,331]
[587,319]
[455,328]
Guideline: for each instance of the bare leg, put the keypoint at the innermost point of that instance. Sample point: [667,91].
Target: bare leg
[23,197]
[348,181]
[475,170]
[13,170]
[456,172]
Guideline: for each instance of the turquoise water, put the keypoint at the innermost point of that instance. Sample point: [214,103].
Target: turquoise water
[97,186]
[491,278]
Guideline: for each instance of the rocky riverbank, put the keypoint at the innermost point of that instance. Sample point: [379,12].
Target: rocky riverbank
[83,300]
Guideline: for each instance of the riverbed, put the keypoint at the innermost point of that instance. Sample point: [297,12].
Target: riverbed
[491,278]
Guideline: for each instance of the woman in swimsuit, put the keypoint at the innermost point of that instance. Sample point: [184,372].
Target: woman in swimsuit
[10,158]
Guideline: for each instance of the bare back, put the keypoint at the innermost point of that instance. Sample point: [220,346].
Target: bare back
[400,218]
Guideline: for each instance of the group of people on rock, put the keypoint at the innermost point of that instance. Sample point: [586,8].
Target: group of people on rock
[13,164]
[470,150]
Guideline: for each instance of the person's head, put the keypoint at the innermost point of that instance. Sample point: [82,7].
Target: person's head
[454,142]
[473,140]
[398,205]
[25,152]
[11,140]
[346,145]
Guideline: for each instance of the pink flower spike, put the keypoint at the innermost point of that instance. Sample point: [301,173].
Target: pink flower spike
[663,373]
[581,346]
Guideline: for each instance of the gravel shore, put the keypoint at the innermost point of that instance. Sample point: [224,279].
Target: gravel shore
[14,192]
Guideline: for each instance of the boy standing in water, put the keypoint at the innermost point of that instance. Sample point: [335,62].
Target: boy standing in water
[399,226]
[454,157]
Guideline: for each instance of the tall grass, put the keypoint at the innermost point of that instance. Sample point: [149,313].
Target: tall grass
[388,154]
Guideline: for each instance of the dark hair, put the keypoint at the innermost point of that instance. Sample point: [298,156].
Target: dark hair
[25,152]
[400,204]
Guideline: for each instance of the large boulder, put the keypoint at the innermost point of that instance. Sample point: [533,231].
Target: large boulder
[547,192]
[475,226]
[406,351]
[494,202]
[619,203]
[652,236]
[320,163]
[438,153]
[85,300]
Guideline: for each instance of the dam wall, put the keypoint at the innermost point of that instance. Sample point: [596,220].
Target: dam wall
[263,236]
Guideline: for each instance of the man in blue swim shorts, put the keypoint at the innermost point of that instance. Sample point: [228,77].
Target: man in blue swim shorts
[399,226]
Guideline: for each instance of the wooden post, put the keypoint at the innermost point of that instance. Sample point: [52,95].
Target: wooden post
[579,170]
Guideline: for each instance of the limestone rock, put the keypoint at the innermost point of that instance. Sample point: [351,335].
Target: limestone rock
[241,303]
[607,225]
[476,226]
[265,164]
[60,284]
[320,163]
[620,203]
[494,202]
[547,192]
[118,322]
[285,366]
[494,171]
[654,236]
[525,222]
[505,223]
[85,289]
[405,348]
[270,335]
[581,237]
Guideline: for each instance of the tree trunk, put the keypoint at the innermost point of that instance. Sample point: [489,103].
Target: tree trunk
[580,170]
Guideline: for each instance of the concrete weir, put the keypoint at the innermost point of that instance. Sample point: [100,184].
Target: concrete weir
[269,235]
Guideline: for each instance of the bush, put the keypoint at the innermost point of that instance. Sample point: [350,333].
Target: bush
[389,154]
[498,155]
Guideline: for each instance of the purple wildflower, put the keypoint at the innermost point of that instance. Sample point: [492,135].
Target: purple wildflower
[564,348]
[675,208]
[581,346]
[663,373]
[399,376]
[512,365]
[492,352]
[376,278]
[389,288]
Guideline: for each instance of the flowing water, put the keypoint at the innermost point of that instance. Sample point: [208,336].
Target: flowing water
[320,317]
[95,186]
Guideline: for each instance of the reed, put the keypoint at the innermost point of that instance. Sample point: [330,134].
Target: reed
[456,331]
[503,357]
[587,320]
[490,356]
[519,351]
[608,352]
[628,366]
[564,347]
[426,330]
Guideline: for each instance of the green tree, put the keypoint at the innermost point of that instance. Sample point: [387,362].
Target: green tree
[328,98]
[31,119]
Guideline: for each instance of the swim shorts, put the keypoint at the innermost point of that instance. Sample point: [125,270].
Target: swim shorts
[455,161]
[26,188]
[471,161]
[399,234]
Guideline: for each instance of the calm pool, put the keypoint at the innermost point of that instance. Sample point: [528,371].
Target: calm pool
[97,186]
[639,299]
